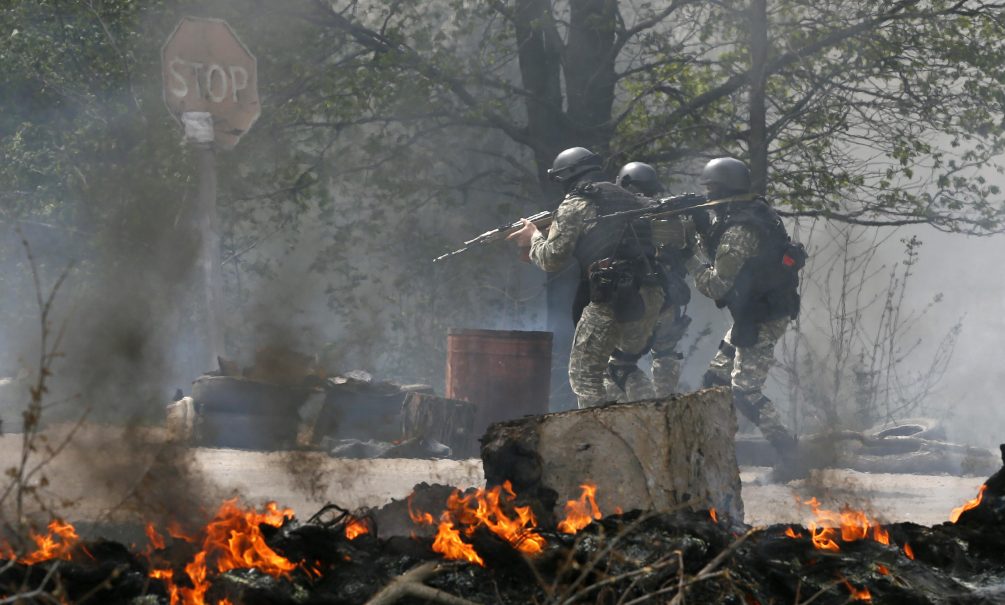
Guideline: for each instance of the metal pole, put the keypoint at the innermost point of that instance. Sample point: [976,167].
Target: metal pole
[199,134]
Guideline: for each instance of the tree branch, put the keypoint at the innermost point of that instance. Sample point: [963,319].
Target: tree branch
[379,43]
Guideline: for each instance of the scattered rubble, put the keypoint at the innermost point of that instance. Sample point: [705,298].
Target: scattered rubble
[910,446]
[285,402]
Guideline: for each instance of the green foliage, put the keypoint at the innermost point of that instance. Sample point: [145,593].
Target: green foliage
[390,130]
[876,114]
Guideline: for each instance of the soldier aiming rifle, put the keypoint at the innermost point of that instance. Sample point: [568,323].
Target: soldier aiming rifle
[618,268]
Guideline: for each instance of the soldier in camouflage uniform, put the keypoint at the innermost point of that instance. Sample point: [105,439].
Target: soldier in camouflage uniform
[672,236]
[753,270]
[619,273]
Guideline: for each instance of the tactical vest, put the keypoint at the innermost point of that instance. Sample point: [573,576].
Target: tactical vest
[767,286]
[621,239]
[614,239]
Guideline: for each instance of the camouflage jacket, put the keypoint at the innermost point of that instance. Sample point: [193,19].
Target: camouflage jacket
[738,244]
[553,253]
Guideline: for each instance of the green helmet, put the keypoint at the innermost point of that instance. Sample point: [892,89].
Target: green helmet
[640,178]
[572,163]
[726,175]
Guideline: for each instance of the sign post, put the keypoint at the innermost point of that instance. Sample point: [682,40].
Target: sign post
[211,87]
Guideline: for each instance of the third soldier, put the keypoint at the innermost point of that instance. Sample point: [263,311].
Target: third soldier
[753,271]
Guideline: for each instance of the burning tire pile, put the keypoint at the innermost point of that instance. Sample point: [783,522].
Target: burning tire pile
[488,548]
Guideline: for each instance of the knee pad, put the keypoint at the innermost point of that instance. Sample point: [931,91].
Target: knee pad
[626,358]
[750,404]
[620,372]
[670,352]
[713,379]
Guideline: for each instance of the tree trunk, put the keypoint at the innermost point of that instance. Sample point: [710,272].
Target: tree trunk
[589,72]
[539,49]
[653,455]
[587,63]
[758,140]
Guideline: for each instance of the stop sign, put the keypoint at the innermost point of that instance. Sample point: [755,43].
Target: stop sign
[206,68]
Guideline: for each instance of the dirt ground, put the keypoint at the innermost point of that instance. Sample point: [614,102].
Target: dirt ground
[104,472]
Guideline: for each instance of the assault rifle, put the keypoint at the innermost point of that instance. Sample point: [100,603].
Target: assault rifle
[541,220]
[676,204]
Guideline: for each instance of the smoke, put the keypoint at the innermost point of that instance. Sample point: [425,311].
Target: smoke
[964,269]
[339,266]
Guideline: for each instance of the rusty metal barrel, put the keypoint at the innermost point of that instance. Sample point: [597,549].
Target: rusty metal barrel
[505,373]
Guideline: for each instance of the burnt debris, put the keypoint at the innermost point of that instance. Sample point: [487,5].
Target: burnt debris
[340,558]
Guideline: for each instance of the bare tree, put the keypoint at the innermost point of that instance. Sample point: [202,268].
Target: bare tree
[855,355]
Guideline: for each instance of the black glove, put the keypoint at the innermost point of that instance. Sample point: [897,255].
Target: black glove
[702,220]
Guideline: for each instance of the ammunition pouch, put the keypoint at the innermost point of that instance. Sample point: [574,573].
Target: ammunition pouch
[675,290]
[673,335]
[617,282]
[727,349]
[621,366]
[668,353]
[794,256]
[711,379]
[619,374]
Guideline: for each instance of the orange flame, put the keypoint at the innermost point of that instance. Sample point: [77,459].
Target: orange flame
[418,518]
[236,539]
[859,594]
[448,543]
[356,528]
[792,533]
[167,576]
[823,537]
[882,569]
[711,513]
[156,540]
[908,551]
[970,504]
[879,534]
[175,531]
[483,508]
[448,540]
[580,513]
[850,525]
[232,540]
[196,571]
[57,544]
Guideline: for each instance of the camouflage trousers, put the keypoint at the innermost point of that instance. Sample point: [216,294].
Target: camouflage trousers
[669,330]
[598,335]
[746,369]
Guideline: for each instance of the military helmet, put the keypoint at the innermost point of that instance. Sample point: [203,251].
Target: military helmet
[572,163]
[727,175]
[640,177]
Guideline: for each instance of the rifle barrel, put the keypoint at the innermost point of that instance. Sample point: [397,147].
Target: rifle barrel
[540,219]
